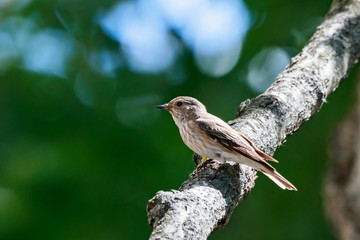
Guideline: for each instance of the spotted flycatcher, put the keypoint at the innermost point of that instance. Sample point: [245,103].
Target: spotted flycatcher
[211,137]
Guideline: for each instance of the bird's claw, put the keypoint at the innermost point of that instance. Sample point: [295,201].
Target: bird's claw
[204,159]
[204,162]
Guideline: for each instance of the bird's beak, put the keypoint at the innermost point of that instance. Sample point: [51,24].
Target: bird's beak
[164,106]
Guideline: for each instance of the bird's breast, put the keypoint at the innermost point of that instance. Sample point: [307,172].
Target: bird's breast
[196,139]
[190,136]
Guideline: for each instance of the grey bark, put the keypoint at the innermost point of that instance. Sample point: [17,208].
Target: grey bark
[207,199]
[342,184]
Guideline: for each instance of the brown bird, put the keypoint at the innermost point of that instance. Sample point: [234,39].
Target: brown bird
[211,137]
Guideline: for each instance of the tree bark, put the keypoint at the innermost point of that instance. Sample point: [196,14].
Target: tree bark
[342,184]
[207,199]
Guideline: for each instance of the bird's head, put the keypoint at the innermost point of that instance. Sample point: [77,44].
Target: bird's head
[182,108]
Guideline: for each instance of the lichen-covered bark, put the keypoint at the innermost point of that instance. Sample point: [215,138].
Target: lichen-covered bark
[206,200]
[342,184]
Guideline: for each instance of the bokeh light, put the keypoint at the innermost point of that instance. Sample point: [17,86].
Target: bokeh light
[48,52]
[8,53]
[143,36]
[14,4]
[45,51]
[265,66]
[106,62]
[217,35]
[214,30]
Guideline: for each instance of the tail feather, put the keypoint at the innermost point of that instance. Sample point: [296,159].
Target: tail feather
[280,180]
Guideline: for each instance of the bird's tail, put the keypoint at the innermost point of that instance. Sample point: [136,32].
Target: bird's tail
[279,180]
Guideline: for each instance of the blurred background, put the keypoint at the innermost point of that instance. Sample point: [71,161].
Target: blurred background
[82,148]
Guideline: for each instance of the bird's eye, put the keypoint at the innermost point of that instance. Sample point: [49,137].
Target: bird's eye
[179,104]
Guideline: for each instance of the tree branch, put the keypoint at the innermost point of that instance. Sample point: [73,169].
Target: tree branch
[207,199]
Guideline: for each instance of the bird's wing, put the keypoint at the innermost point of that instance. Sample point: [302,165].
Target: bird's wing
[229,138]
[258,151]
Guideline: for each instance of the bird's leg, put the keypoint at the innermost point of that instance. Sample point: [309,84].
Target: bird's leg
[204,162]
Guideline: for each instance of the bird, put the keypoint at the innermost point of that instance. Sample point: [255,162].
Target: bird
[212,138]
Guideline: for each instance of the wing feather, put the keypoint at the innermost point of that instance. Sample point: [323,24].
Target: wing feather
[258,151]
[229,138]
